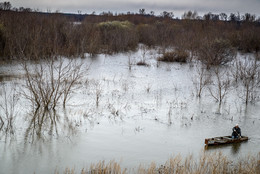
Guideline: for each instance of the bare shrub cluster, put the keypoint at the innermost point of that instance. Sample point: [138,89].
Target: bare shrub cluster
[48,84]
[51,82]
[247,73]
[175,56]
[242,75]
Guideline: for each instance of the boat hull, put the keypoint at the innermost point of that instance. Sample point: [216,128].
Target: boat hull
[224,140]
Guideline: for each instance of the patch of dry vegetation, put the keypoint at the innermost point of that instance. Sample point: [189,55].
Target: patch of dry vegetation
[215,163]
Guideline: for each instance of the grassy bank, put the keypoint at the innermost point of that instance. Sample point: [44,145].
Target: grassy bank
[215,163]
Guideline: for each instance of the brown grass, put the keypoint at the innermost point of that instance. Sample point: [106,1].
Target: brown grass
[215,163]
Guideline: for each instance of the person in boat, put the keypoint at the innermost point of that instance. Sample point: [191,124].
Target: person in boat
[236,132]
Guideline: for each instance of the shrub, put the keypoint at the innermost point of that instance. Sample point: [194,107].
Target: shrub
[215,52]
[142,63]
[147,34]
[247,40]
[117,36]
[175,56]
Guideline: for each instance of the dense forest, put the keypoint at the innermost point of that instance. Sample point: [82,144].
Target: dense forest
[26,33]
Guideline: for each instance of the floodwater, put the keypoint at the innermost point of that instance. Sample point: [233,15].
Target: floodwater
[146,114]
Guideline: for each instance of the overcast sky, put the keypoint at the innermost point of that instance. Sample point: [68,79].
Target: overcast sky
[178,7]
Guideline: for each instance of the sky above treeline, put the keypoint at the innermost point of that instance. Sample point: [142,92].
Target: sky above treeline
[178,7]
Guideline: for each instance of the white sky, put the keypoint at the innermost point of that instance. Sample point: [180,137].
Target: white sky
[178,7]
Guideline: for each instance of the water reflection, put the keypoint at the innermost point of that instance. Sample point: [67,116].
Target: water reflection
[41,121]
[234,148]
[46,124]
[134,120]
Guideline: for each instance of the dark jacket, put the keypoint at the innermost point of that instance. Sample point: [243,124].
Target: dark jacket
[236,132]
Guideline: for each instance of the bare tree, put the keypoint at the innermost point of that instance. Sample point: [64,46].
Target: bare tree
[223,16]
[130,61]
[200,80]
[249,75]
[5,6]
[190,15]
[51,81]
[70,80]
[221,86]
[144,51]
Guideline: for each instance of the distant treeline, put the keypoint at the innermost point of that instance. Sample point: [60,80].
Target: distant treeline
[36,35]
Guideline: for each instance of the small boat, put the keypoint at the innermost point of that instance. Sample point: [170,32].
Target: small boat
[224,140]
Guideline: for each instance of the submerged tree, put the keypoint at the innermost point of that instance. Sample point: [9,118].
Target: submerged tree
[220,87]
[248,72]
[51,82]
[201,80]
[48,84]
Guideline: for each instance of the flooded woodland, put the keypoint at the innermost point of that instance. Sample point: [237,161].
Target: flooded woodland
[133,116]
[127,96]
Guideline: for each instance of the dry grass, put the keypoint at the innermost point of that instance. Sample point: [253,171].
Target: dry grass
[100,168]
[215,163]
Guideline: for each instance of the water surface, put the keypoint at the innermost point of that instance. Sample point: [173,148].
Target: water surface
[147,114]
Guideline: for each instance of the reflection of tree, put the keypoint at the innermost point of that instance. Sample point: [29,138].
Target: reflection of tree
[8,102]
[51,83]
[41,121]
[235,148]
[48,124]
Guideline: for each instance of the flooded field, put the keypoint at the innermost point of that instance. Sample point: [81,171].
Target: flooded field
[127,113]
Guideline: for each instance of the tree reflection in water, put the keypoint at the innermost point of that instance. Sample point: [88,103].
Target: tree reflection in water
[46,124]
[235,148]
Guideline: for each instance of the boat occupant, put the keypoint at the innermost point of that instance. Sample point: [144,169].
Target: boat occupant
[236,132]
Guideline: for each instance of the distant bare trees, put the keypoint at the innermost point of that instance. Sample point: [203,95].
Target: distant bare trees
[190,15]
[5,5]
[36,35]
